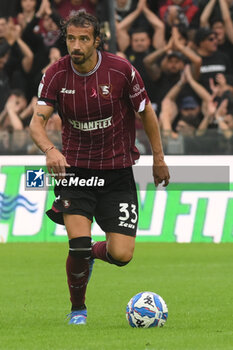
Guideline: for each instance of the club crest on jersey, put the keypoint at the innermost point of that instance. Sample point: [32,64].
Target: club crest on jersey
[66,203]
[136,88]
[105,90]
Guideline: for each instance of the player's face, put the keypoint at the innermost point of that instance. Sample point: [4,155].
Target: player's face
[81,44]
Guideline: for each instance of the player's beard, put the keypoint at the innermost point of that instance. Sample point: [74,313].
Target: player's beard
[82,58]
[78,60]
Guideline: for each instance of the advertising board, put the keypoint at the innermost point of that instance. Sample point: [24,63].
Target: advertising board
[197,206]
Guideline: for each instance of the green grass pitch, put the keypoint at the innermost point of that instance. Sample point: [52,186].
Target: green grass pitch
[196,281]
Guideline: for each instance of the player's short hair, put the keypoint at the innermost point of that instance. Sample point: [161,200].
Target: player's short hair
[84,20]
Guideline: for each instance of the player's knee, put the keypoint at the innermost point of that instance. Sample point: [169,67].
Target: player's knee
[80,247]
[119,259]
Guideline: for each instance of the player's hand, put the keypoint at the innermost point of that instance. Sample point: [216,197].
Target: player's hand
[161,173]
[56,163]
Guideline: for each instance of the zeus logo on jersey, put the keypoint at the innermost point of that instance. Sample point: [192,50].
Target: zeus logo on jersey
[65,91]
[91,125]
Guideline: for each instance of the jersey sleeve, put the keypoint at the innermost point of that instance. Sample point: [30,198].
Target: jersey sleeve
[47,90]
[136,90]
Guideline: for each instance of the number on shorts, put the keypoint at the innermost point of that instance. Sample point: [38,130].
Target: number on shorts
[124,209]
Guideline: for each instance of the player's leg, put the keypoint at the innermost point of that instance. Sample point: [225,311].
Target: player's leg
[74,207]
[120,248]
[77,265]
[117,249]
[117,215]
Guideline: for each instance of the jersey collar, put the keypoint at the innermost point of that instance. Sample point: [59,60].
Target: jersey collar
[92,71]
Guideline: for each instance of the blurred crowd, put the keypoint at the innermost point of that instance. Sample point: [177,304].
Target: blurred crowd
[183,50]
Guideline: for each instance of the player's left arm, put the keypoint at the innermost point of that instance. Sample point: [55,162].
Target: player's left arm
[151,127]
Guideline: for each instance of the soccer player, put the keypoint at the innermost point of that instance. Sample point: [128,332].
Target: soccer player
[97,94]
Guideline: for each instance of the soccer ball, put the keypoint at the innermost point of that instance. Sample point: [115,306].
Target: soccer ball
[145,310]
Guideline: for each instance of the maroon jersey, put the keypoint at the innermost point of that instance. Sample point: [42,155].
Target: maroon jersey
[97,110]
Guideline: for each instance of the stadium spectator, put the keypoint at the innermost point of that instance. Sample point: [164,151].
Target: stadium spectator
[14,121]
[225,121]
[178,12]
[221,90]
[164,66]
[164,74]
[139,44]
[186,125]
[11,118]
[223,85]
[27,11]
[140,20]
[4,80]
[20,58]
[54,56]
[180,43]
[68,8]
[222,115]
[42,33]
[222,26]
[18,46]
[50,30]
[123,8]
[224,44]
[5,142]
[26,114]
[184,108]
[213,61]
[123,29]
[213,9]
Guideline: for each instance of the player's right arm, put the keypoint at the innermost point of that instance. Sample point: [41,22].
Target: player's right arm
[55,161]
